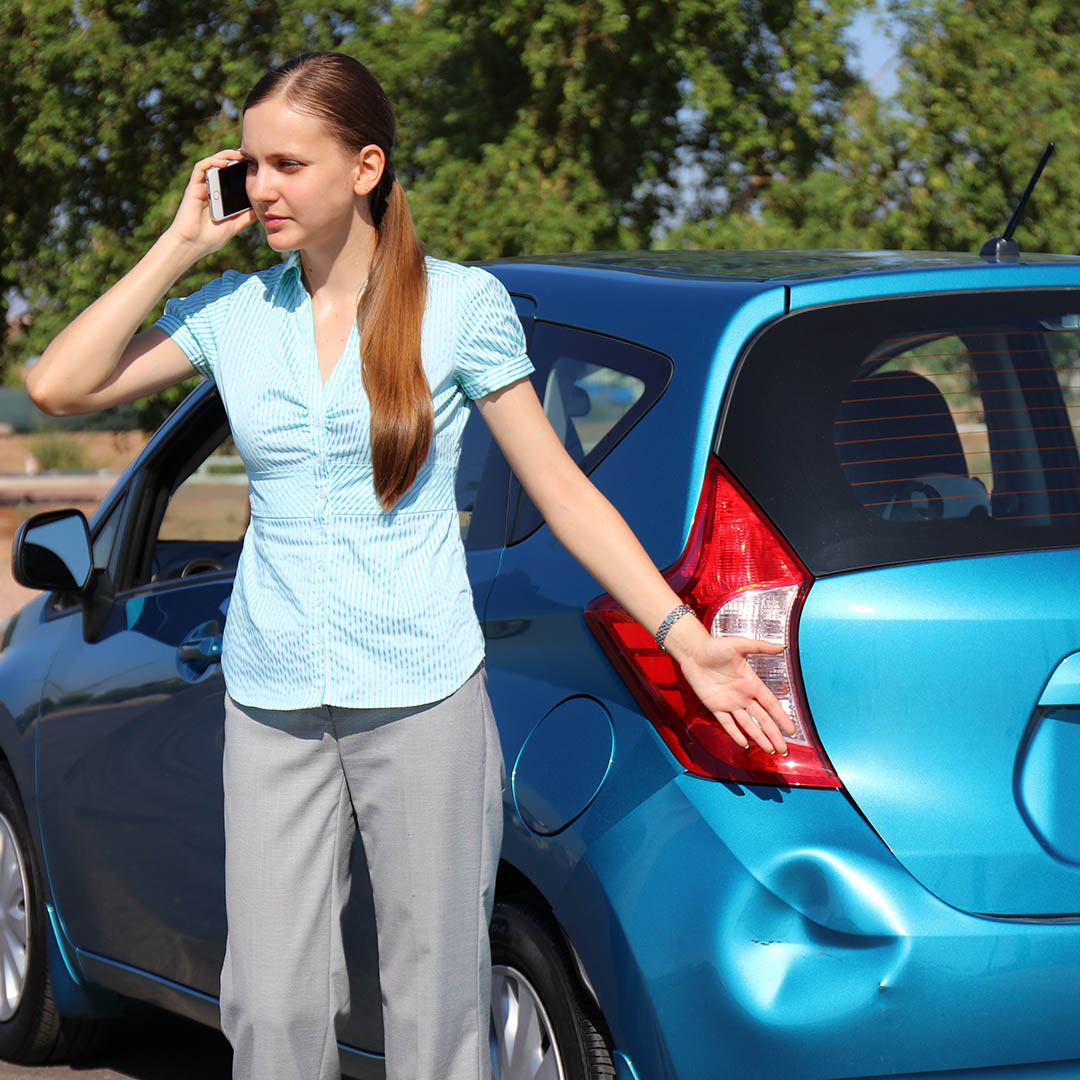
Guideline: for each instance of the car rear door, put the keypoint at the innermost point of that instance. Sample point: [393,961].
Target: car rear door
[920,454]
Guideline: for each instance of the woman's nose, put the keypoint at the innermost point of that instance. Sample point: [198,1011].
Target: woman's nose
[259,185]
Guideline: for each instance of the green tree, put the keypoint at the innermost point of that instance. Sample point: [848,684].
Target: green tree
[525,125]
[983,86]
[107,104]
[986,84]
[569,122]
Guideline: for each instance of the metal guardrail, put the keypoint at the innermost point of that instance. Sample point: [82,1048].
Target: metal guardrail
[221,469]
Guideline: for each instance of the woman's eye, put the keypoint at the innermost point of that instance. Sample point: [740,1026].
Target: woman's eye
[289,166]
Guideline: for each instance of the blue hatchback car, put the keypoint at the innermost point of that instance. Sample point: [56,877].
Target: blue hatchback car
[869,456]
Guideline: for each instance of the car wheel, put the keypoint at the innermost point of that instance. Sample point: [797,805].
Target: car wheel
[31,1028]
[544,1023]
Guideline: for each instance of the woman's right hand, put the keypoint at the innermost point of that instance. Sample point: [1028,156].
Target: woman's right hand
[100,359]
[192,223]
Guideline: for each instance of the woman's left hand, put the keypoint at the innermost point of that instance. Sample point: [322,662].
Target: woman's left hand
[718,672]
[596,535]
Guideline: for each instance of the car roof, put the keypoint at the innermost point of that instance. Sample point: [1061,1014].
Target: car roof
[687,303]
[771,266]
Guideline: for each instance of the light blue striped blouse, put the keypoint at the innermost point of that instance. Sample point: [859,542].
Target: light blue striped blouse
[337,601]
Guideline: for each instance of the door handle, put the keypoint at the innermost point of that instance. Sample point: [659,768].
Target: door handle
[202,646]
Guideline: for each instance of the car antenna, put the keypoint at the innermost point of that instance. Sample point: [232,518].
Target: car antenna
[1004,248]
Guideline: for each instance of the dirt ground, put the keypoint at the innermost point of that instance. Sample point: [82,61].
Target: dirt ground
[102,449]
[26,489]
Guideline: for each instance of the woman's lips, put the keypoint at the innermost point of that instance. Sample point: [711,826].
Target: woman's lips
[272,222]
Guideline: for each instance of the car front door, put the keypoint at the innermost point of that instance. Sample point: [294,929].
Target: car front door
[129,738]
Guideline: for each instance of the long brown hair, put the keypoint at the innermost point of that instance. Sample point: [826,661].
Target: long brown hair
[342,93]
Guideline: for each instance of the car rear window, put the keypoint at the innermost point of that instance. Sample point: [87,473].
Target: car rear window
[884,432]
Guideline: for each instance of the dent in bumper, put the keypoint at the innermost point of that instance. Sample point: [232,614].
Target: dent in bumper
[773,933]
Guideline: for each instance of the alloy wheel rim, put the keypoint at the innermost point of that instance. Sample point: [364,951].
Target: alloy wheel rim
[523,1045]
[14,922]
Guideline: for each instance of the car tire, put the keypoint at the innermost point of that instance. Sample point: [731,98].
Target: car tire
[539,1008]
[32,1030]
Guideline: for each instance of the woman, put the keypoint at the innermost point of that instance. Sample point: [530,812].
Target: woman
[352,658]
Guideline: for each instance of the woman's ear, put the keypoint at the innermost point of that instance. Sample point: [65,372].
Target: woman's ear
[370,163]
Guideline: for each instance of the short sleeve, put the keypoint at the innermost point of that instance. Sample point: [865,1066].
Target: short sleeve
[490,350]
[194,322]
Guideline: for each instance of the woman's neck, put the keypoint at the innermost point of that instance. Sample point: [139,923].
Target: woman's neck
[340,274]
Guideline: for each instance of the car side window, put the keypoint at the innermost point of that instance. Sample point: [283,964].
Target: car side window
[106,535]
[203,525]
[594,389]
[585,401]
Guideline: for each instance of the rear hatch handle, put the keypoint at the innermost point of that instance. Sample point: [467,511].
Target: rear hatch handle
[1064,685]
[1047,785]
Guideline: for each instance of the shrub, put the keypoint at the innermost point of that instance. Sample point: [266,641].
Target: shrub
[55,450]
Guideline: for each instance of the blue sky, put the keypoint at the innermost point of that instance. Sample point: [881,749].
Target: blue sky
[875,54]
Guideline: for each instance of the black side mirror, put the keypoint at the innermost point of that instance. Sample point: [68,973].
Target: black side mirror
[52,551]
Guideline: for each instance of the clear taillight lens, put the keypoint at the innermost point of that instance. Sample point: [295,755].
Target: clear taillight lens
[766,614]
[741,579]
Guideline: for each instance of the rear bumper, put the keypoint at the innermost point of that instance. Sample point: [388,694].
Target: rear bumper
[763,933]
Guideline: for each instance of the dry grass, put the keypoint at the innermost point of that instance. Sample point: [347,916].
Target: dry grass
[98,449]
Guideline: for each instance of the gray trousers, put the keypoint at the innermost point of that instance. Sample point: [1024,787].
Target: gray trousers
[424,787]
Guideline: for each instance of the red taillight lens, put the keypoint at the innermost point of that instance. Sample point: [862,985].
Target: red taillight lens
[741,579]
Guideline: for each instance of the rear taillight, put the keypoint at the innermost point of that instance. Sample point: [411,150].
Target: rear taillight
[740,579]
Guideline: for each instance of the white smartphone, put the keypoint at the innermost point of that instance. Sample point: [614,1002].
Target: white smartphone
[228,190]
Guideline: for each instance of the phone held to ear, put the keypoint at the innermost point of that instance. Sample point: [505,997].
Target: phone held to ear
[228,190]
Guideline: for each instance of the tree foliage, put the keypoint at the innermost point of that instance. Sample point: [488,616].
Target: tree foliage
[990,83]
[545,125]
[589,113]
[983,86]
[525,125]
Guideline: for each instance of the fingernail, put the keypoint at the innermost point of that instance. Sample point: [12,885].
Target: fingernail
[785,753]
[746,746]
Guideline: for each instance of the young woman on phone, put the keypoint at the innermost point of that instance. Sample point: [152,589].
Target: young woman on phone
[353,661]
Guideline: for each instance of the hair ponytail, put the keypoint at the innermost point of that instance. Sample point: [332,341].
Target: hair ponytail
[390,315]
[342,92]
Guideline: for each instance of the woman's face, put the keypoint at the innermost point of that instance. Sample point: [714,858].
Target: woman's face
[306,188]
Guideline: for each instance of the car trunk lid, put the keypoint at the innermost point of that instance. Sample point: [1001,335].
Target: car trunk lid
[919,454]
[926,684]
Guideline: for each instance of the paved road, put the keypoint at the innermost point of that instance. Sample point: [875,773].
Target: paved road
[160,1048]
[56,487]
